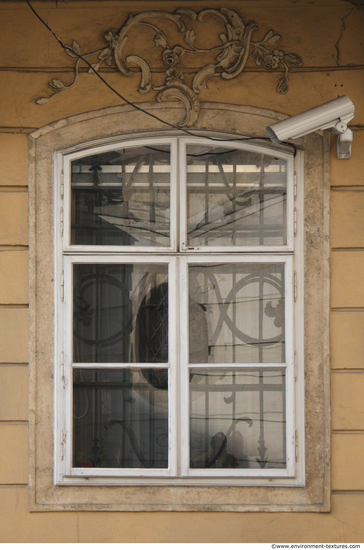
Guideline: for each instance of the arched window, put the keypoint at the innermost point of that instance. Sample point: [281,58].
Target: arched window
[178,279]
[170,351]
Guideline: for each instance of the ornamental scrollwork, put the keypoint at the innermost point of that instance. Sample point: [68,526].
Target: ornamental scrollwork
[233,51]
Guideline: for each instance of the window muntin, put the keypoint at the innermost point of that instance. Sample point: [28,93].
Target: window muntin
[179,371]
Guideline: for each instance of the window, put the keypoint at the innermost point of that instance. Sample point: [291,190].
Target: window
[55,484]
[178,326]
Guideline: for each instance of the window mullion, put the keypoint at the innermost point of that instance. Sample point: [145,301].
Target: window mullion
[183,206]
[184,373]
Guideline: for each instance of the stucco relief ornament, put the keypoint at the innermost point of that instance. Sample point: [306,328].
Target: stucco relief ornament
[233,51]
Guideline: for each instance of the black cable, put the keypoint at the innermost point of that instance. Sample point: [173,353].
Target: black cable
[67,48]
[197,155]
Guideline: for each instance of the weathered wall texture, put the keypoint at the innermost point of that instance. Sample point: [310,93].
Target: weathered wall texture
[328,36]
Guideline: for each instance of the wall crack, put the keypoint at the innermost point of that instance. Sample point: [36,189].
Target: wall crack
[343,27]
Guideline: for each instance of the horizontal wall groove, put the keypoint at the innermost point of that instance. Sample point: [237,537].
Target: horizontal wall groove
[348,371]
[14,247]
[186,70]
[348,432]
[348,189]
[346,309]
[347,249]
[13,486]
[17,364]
[14,422]
[14,306]
[13,188]
[105,70]
[80,4]
[347,492]
[18,5]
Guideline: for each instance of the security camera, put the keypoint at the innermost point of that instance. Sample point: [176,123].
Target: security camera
[334,114]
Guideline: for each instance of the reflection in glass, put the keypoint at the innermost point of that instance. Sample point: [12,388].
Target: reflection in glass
[120,419]
[243,310]
[235,197]
[120,313]
[237,418]
[122,197]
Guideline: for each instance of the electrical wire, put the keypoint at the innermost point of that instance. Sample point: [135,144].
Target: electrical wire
[135,106]
[68,48]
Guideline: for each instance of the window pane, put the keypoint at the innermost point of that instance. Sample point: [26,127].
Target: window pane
[236,313]
[122,197]
[120,313]
[237,418]
[120,418]
[235,197]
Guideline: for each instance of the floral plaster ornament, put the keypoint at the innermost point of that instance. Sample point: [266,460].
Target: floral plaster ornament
[232,54]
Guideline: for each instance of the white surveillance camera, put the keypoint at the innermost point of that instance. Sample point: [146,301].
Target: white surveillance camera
[334,114]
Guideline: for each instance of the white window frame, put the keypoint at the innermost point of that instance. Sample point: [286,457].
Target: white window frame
[69,365]
[286,260]
[289,247]
[290,254]
[74,248]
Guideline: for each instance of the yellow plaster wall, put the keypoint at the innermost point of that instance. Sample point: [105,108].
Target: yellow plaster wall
[329,38]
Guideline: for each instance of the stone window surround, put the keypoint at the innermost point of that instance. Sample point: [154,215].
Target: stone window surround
[123,121]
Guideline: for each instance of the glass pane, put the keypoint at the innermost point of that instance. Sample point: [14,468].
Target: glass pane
[235,197]
[236,313]
[122,197]
[120,418]
[237,418]
[120,313]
